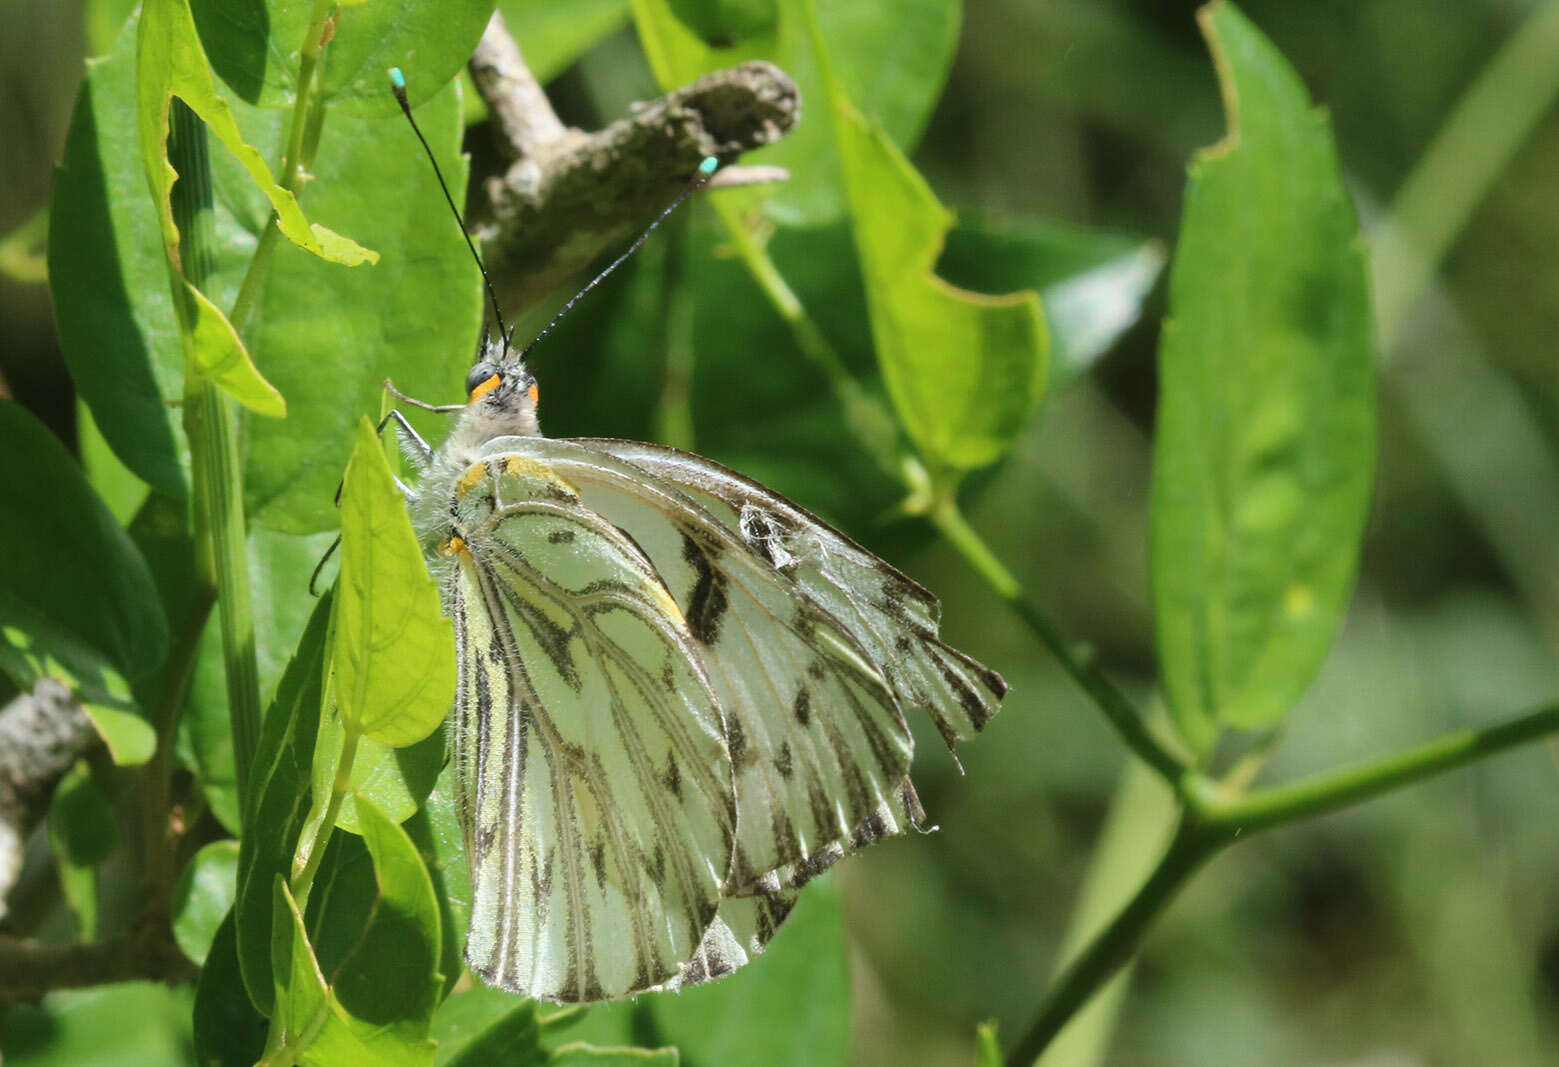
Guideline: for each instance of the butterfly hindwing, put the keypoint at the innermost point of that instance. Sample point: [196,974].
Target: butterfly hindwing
[817,741]
[599,806]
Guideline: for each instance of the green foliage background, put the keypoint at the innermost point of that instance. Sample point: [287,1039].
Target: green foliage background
[1421,926]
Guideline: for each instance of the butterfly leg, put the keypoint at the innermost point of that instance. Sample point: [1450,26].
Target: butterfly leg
[412,445]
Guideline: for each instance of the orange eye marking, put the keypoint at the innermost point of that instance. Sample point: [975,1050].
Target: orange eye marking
[470,479]
[533,393]
[485,387]
[452,545]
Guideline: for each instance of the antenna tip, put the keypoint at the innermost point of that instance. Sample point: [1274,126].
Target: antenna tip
[397,79]
[708,166]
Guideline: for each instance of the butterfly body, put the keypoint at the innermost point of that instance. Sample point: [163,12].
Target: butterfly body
[680,696]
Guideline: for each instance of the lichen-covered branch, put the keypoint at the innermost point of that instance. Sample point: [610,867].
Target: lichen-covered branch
[42,734]
[568,195]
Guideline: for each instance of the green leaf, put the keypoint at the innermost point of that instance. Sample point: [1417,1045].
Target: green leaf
[221,356]
[394,647]
[394,780]
[255,47]
[329,337]
[554,35]
[73,587]
[987,1050]
[278,803]
[279,569]
[579,1054]
[204,898]
[374,926]
[790,1005]
[326,336]
[1092,284]
[228,1031]
[1264,448]
[170,62]
[82,834]
[964,370]
[435,829]
[129,738]
[308,1020]
[894,56]
[483,1026]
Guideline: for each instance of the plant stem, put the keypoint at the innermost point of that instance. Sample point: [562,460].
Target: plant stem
[1328,792]
[304,881]
[1489,123]
[1209,825]
[950,522]
[289,169]
[874,427]
[1117,943]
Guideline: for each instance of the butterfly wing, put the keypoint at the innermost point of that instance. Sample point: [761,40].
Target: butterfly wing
[818,743]
[893,617]
[590,749]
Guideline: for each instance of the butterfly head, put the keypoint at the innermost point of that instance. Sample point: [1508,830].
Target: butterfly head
[501,394]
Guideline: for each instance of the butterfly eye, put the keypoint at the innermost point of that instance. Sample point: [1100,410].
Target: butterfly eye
[484,378]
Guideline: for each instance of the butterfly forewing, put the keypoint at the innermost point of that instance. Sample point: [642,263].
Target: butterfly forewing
[816,738]
[591,749]
[893,617]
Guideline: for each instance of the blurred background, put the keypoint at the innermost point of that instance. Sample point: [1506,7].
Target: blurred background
[1420,929]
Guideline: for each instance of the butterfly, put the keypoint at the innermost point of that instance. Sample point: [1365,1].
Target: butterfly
[680,696]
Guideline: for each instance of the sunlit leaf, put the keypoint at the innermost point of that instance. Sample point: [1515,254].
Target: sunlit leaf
[964,370]
[1264,444]
[255,46]
[394,647]
[553,35]
[170,62]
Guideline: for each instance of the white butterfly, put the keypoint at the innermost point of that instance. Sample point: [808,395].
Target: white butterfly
[680,697]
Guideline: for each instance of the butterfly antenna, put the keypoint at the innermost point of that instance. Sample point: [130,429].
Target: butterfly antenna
[398,85]
[706,170]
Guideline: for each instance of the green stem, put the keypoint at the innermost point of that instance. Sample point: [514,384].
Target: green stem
[290,168]
[950,522]
[1328,792]
[1117,943]
[874,427]
[1209,825]
[1489,123]
[304,881]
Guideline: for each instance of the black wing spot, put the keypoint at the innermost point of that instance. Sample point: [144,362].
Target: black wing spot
[708,602]
[803,707]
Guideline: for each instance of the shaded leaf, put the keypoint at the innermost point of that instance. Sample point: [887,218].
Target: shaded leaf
[308,1022]
[1264,445]
[203,898]
[73,587]
[483,1026]
[435,829]
[82,834]
[790,1005]
[394,648]
[228,1031]
[579,1054]
[278,803]
[373,926]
